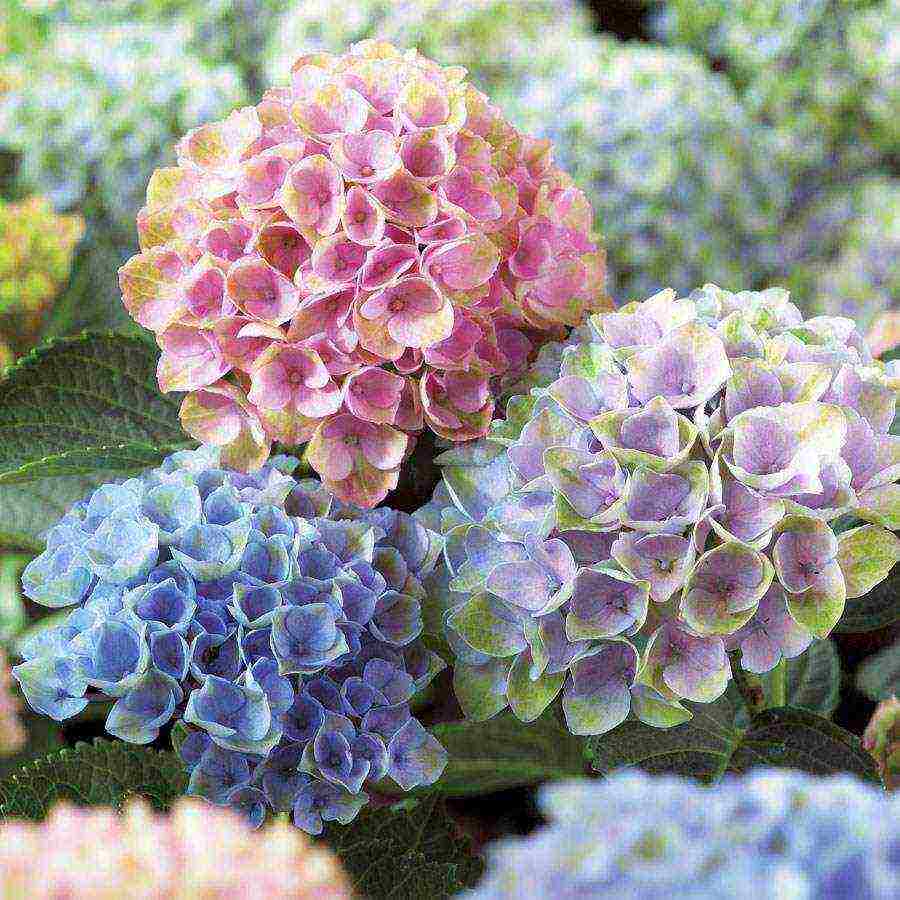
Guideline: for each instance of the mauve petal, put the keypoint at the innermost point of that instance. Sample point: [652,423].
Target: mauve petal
[384,447]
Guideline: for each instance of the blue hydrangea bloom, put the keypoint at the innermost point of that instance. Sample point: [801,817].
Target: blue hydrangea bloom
[278,628]
[771,835]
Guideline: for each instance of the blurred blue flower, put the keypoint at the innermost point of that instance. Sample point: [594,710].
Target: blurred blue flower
[769,835]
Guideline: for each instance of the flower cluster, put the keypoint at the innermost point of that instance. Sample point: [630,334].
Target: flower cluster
[822,73]
[770,835]
[91,126]
[501,44]
[278,628]
[190,854]
[365,252]
[36,248]
[665,497]
[12,735]
[679,175]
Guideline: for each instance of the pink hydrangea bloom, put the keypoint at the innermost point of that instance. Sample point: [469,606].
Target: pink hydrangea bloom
[12,735]
[194,852]
[373,241]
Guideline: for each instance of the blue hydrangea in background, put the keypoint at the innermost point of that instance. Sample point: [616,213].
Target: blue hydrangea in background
[771,835]
[679,175]
[276,627]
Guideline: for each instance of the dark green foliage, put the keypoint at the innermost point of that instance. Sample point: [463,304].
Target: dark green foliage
[85,404]
[878,608]
[411,851]
[711,744]
[105,773]
[504,753]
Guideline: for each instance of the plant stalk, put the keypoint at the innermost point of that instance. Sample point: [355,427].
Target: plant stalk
[750,686]
[779,685]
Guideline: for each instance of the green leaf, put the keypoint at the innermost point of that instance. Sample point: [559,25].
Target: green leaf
[700,748]
[411,851]
[866,556]
[879,676]
[504,753]
[798,739]
[814,679]
[104,773]
[83,405]
[878,608]
[711,744]
[42,736]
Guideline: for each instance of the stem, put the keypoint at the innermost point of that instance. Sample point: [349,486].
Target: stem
[749,685]
[779,685]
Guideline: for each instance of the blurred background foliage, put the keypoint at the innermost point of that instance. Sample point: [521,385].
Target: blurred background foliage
[746,142]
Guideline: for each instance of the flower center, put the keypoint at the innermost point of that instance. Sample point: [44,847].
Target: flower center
[397,305]
[359,218]
[367,171]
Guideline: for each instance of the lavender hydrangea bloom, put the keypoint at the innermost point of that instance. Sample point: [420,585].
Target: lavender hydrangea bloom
[769,835]
[275,627]
[669,499]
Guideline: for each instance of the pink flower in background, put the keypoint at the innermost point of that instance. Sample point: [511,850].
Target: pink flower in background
[12,735]
[195,851]
[370,244]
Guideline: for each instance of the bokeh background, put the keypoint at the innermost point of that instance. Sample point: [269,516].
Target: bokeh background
[745,142]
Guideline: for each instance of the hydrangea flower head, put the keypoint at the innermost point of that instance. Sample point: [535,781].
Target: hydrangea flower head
[368,251]
[615,110]
[192,852]
[771,834]
[664,497]
[276,627]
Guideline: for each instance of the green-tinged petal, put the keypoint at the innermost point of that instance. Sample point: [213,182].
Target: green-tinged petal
[481,690]
[820,608]
[652,708]
[487,624]
[866,555]
[529,698]
[881,506]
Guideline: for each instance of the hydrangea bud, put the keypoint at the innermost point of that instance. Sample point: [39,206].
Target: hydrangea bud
[277,628]
[771,834]
[882,740]
[192,852]
[370,250]
[664,496]
[12,735]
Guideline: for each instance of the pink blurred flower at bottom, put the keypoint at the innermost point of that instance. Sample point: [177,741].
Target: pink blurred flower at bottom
[194,852]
